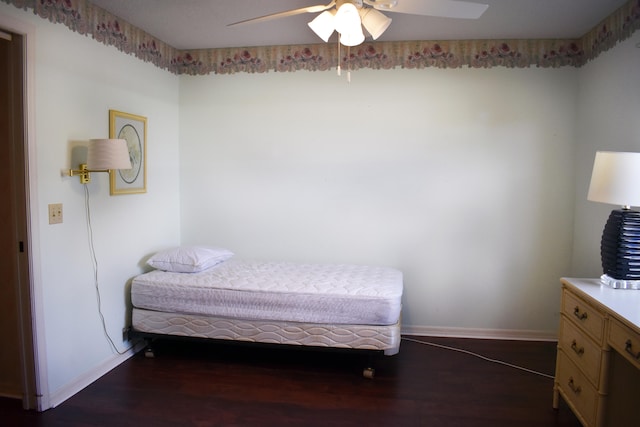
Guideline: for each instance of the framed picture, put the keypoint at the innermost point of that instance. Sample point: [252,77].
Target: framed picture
[133,129]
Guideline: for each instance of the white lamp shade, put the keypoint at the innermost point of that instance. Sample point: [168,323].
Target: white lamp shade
[616,178]
[347,19]
[108,154]
[352,39]
[375,22]
[323,25]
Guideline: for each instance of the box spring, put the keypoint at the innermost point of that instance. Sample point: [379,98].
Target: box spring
[385,338]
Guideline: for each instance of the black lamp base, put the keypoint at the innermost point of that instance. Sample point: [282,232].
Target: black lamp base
[620,247]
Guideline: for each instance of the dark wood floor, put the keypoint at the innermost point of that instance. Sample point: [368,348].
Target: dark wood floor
[208,384]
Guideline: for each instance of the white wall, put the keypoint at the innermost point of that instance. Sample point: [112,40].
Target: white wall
[608,119]
[463,179]
[77,81]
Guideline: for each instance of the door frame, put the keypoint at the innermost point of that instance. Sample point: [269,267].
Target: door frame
[31,312]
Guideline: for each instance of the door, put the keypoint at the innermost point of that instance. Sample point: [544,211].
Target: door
[16,352]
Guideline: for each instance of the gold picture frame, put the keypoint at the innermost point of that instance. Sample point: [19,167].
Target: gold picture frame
[133,129]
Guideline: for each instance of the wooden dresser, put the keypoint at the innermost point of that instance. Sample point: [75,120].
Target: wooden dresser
[598,361]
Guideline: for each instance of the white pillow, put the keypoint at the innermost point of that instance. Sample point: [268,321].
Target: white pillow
[191,259]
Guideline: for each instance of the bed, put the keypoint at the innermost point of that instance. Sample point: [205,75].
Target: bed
[205,292]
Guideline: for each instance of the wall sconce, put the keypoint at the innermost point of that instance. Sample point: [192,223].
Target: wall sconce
[103,155]
[616,180]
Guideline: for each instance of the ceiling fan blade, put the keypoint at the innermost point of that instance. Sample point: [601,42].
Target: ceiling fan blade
[292,12]
[443,8]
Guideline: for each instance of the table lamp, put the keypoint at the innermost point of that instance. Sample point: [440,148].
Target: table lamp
[616,180]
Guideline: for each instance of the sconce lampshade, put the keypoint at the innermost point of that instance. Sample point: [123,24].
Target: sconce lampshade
[616,180]
[374,22]
[108,154]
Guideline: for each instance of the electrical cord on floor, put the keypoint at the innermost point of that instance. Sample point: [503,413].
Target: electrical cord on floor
[499,362]
[94,262]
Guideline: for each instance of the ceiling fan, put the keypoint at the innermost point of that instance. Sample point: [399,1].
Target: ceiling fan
[347,17]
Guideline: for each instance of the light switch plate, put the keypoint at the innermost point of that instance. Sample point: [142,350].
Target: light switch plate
[55,213]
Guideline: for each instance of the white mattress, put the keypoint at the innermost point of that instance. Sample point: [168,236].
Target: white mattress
[365,337]
[277,291]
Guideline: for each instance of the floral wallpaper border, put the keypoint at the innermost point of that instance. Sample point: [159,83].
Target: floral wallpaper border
[85,18]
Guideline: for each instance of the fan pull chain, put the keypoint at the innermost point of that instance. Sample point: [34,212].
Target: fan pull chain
[348,64]
[348,59]
[339,57]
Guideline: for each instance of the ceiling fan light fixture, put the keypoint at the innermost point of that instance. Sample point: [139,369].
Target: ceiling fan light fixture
[347,18]
[352,38]
[374,22]
[382,4]
[323,24]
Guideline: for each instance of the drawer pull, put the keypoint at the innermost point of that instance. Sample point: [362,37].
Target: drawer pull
[574,347]
[572,386]
[629,349]
[580,316]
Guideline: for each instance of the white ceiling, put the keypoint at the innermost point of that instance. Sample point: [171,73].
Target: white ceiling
[202,24]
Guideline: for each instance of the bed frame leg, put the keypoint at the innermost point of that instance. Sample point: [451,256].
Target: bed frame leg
[368,372]
[148,349]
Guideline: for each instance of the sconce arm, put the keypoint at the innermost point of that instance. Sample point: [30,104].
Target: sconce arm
[84,173]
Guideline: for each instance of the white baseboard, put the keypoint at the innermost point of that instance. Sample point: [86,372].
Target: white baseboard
[494,334]
[84,380]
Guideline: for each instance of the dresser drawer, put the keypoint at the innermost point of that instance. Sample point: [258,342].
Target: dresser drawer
[582,350]
[584,315]
[625,341]
[577,390]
